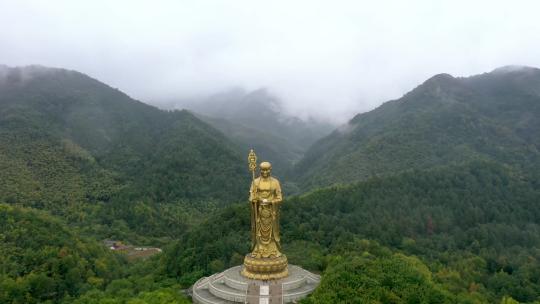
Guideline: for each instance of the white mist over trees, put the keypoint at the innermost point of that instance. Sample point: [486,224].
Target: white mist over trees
[330,60]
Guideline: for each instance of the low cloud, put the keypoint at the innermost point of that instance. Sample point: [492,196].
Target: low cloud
[322,59]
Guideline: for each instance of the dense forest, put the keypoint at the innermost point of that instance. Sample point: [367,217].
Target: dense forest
[472,230]
[84,151]
[445,120]
[43,261]
[432,198]
[259,120]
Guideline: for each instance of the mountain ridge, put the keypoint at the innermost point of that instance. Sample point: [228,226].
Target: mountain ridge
[444,120]
[70,144]
[236,112]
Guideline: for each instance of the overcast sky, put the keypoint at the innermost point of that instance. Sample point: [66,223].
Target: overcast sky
[323,58]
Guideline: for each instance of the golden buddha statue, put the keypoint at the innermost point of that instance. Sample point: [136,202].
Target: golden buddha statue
[265,197]
[265,262]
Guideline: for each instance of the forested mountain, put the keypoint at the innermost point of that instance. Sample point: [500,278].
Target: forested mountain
[281,152]
[441,202]
[257,120]
[67,140]
[493,116]
[474,230]
[42,260]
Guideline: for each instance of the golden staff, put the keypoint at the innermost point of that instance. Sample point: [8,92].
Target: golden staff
[252,163]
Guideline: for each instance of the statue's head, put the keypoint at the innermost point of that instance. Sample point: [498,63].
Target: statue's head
[266,169]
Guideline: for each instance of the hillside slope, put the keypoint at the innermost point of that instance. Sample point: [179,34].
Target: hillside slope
[268,146]
[493,116]
[73,145]
[43,260]
[257,119]
[81,117]
[475,226]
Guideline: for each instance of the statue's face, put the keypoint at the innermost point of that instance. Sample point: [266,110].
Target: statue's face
[265,172]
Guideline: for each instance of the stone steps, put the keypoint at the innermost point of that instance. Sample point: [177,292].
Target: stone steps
[205,297]
[222,290]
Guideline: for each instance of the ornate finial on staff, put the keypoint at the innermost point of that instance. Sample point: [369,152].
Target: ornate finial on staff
[252,162]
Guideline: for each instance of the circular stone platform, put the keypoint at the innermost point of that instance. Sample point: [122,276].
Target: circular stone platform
[231,287]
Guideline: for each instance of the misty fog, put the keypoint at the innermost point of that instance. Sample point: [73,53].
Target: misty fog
[322,59]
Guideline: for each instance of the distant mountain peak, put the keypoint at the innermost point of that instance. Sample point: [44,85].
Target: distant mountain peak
[23,74]
[441,86]
[439,79]
[445,120]
[514,68]
[121,134]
